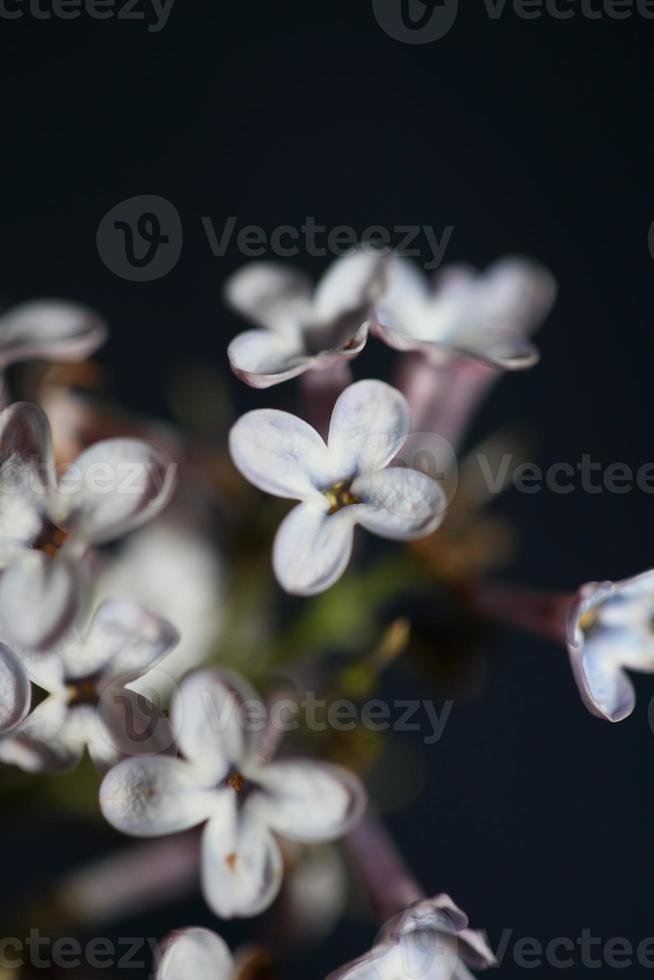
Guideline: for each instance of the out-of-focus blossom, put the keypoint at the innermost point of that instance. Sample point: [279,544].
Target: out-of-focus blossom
[430,940]
[610,630]
[196,954]
[174,570]
[341,483]
[47,524]
[302,329]
[51,329]
[89,704]
[15,690]
[486,316]
[222,781]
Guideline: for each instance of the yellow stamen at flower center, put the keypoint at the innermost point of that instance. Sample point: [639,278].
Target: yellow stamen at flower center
[236,781]
[588,620]
[340,496]
[51,540]
[82,692]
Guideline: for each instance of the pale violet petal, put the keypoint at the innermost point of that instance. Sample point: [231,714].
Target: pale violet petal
[370,424]
[128,724]
[399,503]
[312,548]
[26,440]
[123,641]
[49,740]
[262,358]
[603,684]
[153,796]
[114,486]
[211,721]
[15,690]
[352,282]
[310,801]
[270,294]
[195,954]
[39,599]
[279,453]
[51,329]
[241,861]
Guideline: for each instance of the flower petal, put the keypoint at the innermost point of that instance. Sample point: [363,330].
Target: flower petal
[270,294]
[604,686]
[51,329]
[48,740]
[241,862]
[262,358]
[399,503]
[39,599]
[312,549]
[128,724]
[209,715]
[310,801]
[279,453]
[26,472]
[153,796]
[370,424]
[114,486]
[195,954]
[123,640]
[15,690]
[353,282]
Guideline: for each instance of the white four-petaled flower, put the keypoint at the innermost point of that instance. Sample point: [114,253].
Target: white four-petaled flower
[485,316]
[341,483]
[89,704]
[430,940]
[47,524]
[224,782]
[300,329]
[610,628]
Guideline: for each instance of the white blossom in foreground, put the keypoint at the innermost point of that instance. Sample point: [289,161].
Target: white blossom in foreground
[430,941]
[610,630]
[15,690]
[486,316]
[89,704]
[196,954]
[46,525]
[302,329]
[341,483]
[171,568]
[222,781]
[50,329]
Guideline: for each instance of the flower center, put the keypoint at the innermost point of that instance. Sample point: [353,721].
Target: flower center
[51,539]
[81,692]
[340,496]
[588,620]
[236,781]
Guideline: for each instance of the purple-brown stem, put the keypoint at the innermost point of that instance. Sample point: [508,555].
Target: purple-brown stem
[319,390]
[391,886]
[444,396]
[543,613]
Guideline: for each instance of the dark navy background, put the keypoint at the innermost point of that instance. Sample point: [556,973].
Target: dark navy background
[527,136]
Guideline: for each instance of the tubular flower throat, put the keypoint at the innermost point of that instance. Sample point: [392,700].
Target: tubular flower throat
[339,496]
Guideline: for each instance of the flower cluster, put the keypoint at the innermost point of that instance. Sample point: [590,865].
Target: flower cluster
[96,639]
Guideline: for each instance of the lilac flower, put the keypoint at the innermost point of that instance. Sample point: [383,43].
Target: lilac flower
[341,483]
[15,690]
[89,704]
[49,329]
[430,940]
[299,329]
[196,954]
[223,782]
[46,525]
[485,316]
[610,629]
